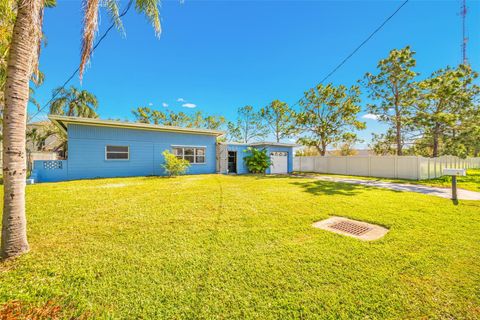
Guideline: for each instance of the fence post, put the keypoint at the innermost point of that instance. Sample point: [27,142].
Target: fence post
[428,168]
[395,166]
[369,165]
[418,168]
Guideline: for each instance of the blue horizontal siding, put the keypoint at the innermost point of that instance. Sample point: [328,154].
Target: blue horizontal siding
[86,151]
[241,153]
[42,170]
[240,149]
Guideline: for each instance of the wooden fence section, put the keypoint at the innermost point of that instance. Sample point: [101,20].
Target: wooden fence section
[402,167]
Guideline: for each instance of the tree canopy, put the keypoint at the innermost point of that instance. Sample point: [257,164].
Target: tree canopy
[393,92]
[73,102]
[178,119]
[279,118]
[328,115]
[248,126]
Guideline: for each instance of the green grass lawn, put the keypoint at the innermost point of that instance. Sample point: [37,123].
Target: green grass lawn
[470,182]
[241,247]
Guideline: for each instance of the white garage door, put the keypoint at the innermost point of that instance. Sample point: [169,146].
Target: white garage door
[279,162]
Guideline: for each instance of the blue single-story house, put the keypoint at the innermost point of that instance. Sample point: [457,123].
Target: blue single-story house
[105,148]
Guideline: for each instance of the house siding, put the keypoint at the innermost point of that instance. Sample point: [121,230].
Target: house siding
[86,156]
[87,144]
[240,148]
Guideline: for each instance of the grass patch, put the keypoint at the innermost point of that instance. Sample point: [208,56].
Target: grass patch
[215,246]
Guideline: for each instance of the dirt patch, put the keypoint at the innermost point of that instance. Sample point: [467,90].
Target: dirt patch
[17,310]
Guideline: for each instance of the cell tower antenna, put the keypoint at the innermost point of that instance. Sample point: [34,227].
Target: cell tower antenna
[463,13]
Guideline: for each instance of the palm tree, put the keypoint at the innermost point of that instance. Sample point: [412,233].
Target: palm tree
[21,63]
[74,103]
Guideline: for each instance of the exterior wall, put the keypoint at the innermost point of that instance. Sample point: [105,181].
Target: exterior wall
[86,145]
[86,152]
[50,170]
[240,148]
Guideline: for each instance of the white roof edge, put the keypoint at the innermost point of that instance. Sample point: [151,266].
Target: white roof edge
[133,125]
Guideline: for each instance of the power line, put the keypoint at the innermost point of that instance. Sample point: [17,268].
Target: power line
[104,35]
[359,46]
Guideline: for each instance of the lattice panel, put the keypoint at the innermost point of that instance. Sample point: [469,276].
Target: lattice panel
[53,165]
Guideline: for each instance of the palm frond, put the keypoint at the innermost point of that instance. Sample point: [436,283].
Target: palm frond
[90,28]
[151,9]
[112,9]
[50,3]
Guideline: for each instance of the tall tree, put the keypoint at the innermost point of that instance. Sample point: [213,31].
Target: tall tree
[328,114]
[21,63]
[196,120]
[214,122]
[177,119]
[445,104]
[158,117]
[347,146]
[393,91]
[73,102]
[248,126]
[8,15]
[279,118]
[143,114]
[383,143]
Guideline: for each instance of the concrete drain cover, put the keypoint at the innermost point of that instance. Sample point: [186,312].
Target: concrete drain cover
[352,228]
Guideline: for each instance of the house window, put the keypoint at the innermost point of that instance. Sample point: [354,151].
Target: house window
[191,154]
[117,153]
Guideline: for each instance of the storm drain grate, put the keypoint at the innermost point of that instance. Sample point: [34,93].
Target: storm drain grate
[352,228]
[349,227]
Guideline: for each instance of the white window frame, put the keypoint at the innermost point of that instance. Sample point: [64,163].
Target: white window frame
[112,145]
[194,153]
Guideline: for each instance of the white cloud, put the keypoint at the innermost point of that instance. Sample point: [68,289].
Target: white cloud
[189,105]
[292,140]
[181,100]
[164,104]
[370,116]
[150,104]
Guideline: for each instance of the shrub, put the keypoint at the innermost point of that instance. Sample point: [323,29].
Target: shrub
[174,166]
[257,161]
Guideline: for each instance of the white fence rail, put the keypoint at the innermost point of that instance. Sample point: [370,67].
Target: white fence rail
[401,167]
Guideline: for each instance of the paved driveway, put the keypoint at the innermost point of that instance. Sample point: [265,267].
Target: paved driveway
[432,191]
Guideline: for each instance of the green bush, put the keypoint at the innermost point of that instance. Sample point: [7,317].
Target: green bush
[174,166]
[257,161]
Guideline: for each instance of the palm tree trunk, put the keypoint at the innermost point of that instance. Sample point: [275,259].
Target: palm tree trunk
[21,62]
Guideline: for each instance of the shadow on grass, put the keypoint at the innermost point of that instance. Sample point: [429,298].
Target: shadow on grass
[329,188]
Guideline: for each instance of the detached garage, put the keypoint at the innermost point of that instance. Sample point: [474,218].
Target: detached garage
[230,157]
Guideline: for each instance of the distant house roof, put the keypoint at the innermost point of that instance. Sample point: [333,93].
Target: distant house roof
[38,123]
[63,121]
[278,144]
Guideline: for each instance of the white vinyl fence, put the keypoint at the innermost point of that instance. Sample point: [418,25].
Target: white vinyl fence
[402,167]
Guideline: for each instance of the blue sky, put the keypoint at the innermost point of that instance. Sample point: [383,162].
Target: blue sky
[221,55]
